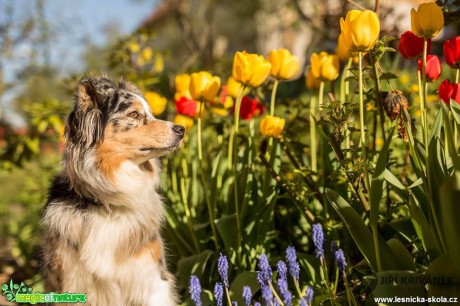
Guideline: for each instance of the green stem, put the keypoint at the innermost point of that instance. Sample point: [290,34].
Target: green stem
[227,294]
[276,294]
[346,90]
[381,116]
[320,96]
[361,123]
[200,149]
[313,134]
[423,102]
[272,101]
[235,171]
[272,110]
[230,148]
[457,76]
[326,275]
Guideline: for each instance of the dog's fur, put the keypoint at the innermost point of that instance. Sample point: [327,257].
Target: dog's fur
[103,216]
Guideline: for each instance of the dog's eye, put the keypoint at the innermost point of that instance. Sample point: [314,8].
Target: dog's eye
[134,115]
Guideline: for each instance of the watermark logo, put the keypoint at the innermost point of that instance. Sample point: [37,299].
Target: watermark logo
[20,293]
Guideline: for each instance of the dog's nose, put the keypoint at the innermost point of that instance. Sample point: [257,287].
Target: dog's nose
[179,130]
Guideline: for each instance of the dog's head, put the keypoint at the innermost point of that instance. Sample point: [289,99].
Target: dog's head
[114,121]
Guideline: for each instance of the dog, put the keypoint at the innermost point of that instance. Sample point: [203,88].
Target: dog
[103,216]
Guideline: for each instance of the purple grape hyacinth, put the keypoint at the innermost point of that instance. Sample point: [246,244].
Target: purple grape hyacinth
[318,239]
[334,246]
[222,268]
[291,259]
[285,294]
[264,276]
[219,294]
[247,295]
[282,270]
[195,290]
[340,260]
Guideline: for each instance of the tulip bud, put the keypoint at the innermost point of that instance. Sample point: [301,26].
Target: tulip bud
[433,67]
[182,84]
[250,69]
[156,102]
[249,108]
[186,106]
[233,87]
[204,86]
[451,50]
[448,91]
[427,21]
[284,64]
[271,126]
[411,46]
[360,30]
[310,81]
[325,67]
[185,121]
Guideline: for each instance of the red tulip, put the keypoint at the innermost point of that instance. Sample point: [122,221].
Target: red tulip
[411,46]
[451,50]
[448,90]
[186,106]
[249,108]
[433,67]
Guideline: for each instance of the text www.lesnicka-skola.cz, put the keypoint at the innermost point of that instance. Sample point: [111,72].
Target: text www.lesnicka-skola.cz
[416,299]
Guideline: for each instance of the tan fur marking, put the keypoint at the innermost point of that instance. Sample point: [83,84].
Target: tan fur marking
[108,155]
[154,248]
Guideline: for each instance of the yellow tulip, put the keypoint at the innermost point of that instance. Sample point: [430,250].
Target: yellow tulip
[158,64]
[284,64]
[250,69]
[182,84]
[147,53]
[156,102]
[310,81]
[427,21]
[185,121]
[360,30]
[228,102]
[221,112]
[271,126]
[324,66]
[343,51]
[233,87]
[203,85]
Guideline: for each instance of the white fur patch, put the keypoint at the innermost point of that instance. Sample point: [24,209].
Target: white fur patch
[145,105]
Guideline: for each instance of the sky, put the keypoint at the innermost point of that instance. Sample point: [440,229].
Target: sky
[72,24]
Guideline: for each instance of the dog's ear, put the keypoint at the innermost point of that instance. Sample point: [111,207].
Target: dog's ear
[92,93]
[86,123]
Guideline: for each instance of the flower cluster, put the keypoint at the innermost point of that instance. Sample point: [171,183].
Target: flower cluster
[271,292]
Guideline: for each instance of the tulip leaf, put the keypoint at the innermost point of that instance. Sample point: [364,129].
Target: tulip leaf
[397,185]
[449,137]
[243,279]
[226,227]
[455,108]
[450,210]
[421,225]
[436,128]
[403,255]
[377,180]
[361,234]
